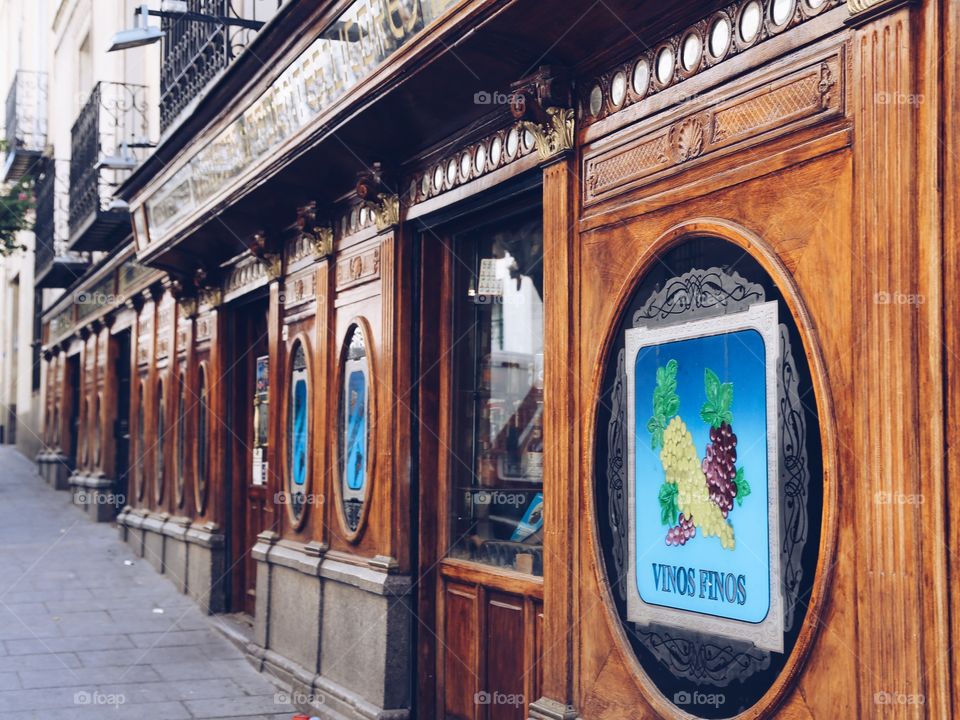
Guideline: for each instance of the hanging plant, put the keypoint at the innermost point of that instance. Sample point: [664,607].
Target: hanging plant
[16,202]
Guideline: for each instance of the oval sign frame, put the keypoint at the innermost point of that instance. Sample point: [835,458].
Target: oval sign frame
[804,627]
[299,343]
[353,504]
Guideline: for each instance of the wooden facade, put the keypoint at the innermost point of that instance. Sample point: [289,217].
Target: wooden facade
[819,148]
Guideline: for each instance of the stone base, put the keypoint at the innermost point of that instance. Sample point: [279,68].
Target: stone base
[547,709]
[94,493]
[191,555]
[54,468]
[306,602]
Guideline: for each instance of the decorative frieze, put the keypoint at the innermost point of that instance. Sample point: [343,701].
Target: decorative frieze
[813,92]
[714,39]
[359,268]
[299,289]
[247,274]
[203,328]
[483,157]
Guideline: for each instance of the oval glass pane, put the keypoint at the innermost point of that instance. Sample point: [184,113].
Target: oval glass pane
[618,88]
[750,19]
[181,436]
[298,427]
[141,435]
[782,10]
[665,64]
[201,479]
[354,427]
[720,37]
[596,100]
[158,448]
[708,476]
[692,48]
[641,77]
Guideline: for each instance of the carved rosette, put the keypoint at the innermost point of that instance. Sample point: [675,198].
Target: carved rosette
[554,137]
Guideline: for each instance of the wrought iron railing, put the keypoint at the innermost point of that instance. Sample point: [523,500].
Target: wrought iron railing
[50,227]
[195,52]
[26,116]
[106,143]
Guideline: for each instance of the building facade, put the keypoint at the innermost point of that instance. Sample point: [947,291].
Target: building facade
[496,359]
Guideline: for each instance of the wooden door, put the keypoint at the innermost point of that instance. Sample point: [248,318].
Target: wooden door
[481,491]
[250,511]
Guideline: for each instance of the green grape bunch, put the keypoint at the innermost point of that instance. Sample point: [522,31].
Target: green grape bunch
[686,493]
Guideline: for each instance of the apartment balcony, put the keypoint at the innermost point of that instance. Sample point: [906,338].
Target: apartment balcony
[107,143]
[56,267]
[26,123]
[194,52]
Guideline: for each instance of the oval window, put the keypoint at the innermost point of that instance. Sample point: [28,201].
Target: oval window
[708,475]
[298,435]
[181,436]
[96,430]
[140,478]
[200,484]
[158,447]
[353,436]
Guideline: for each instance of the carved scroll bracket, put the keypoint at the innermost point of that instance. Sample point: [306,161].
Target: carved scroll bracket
[385,209]
[555,137]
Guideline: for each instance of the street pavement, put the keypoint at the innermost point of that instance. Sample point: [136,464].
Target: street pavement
[90,632]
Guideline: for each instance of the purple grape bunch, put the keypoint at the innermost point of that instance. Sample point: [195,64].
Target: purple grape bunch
[720,467]
[681,532]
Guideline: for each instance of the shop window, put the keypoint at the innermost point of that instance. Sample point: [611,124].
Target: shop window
[158,447]
[497,460]
[202,441]
[181,435]
[353,436]
[298,434]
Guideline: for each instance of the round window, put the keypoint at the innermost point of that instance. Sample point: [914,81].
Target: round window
[708,476]
[298,435]
[354,431]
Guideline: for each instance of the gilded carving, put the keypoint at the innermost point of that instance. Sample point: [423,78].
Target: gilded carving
[555,136]
[322,242]
[385,210]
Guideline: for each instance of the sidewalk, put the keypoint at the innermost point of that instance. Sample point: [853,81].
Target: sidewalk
[88,631]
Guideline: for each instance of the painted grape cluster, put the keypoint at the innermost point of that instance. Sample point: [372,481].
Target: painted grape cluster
[698,493]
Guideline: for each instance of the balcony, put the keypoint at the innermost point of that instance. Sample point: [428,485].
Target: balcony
[107,143]
[56,267]
[26,128]
[194,52]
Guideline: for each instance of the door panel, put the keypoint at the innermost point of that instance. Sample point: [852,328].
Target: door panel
[503,696]
[460,659]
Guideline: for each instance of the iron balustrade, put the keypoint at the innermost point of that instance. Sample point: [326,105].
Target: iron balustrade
[107,142]
[56,266]
[195,52]
[26,121]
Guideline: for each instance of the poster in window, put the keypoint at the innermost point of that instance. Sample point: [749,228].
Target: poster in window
[703,477]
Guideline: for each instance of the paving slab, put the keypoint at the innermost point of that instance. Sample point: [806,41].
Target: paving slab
[89,631]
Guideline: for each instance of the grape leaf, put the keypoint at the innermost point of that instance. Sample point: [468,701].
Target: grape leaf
[716,410]
[666,402]
[668,504]
[743,487]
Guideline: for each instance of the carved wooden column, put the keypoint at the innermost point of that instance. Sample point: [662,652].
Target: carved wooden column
[897,474]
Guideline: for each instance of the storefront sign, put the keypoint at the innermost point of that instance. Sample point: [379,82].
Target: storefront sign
[703,478]
[358,41]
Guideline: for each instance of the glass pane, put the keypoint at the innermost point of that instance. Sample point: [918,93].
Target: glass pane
[202,442]
[181,436]
[298,429]
[354,410]
[497,463]
[158,449]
